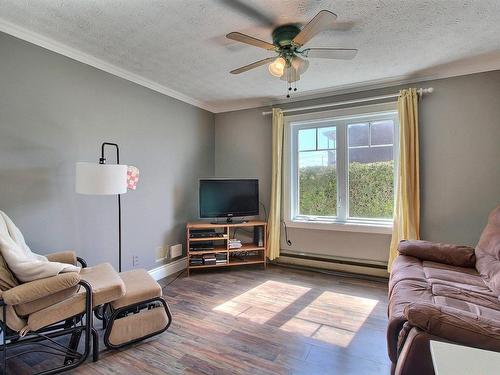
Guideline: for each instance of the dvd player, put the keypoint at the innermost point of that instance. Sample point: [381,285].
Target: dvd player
[204,233]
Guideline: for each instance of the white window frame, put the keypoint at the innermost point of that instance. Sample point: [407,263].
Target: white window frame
[290,187]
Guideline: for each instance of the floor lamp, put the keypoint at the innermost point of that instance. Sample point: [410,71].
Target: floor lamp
[104,179]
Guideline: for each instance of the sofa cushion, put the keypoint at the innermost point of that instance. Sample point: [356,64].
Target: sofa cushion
[434,272]
[406,268]
[481,297]
[467,306]
[457,325]
[488,252]
[403,293]
[455,255]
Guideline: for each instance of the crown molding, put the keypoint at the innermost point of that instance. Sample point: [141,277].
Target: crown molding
[74,54]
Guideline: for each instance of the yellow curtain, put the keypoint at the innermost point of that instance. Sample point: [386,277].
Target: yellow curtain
[406,224]
[275,209]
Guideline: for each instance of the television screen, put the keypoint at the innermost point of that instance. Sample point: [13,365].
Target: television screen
[229,197]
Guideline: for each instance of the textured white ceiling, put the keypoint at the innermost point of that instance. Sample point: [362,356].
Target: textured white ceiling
[180,44]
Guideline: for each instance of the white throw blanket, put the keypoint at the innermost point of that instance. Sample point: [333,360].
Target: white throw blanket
[25,264]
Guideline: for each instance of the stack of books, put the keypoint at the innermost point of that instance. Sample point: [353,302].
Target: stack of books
[221,258]
[195,261]
[234,243]
[209,259]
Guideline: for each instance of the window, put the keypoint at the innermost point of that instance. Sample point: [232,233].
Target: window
[341,168]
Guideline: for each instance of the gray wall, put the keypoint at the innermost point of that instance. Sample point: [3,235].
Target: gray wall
[460,163]
[55,111]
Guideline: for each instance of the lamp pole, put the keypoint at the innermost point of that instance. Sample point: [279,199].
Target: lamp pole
[102,160]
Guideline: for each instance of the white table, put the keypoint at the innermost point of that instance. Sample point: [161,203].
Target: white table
[451,359]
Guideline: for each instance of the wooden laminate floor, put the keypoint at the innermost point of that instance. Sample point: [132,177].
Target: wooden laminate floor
[251,321]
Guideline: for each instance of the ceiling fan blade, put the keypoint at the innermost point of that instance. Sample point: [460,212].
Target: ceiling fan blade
[253,65]
[243,38]
[243,8]
[322,21]
[330,53]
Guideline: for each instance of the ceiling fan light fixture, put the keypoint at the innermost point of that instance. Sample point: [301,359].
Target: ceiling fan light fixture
[277,67]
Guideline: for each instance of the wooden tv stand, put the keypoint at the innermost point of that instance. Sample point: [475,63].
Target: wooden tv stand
[221,244]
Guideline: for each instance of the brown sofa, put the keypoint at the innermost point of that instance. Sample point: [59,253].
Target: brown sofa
[446,293]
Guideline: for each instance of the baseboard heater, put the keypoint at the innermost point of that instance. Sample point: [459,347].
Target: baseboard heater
[345,261]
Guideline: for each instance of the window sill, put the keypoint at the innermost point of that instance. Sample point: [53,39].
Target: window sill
[360,227]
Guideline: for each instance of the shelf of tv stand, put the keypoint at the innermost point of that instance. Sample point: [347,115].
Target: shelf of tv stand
[250,260]
[218,249]
[205,239]
[247,247]
[224,247]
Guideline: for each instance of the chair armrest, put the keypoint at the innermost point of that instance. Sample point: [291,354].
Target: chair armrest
[40,288]
[455,325]
[454,255]
[82,262]
[67,257]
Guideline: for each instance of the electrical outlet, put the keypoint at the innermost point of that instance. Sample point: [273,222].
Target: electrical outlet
[175,251]
[160,254]
[135,260]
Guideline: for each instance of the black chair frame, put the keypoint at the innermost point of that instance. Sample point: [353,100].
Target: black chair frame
[44,339]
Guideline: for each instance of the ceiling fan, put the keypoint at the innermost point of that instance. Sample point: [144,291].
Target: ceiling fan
[288,42]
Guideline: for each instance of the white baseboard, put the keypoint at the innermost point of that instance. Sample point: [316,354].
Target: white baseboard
[168,269]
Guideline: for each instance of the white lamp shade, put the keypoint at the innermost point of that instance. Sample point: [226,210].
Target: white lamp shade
[101,179]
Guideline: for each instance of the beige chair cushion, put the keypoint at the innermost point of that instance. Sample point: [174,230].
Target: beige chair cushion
[40,288]
[14,322]
[68,257]
[106,284]
[106,287]
[135,326]
[24,309]
[139,286]
[7,278]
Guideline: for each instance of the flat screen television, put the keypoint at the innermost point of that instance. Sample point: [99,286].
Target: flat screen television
[224,197]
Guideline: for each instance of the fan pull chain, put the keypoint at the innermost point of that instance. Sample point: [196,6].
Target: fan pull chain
[288,83]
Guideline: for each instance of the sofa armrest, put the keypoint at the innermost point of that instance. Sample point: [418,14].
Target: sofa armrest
[455,325]
[454,255]
[40,288]
[67,257]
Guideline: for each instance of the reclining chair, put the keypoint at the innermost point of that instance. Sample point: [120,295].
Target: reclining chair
[41,311]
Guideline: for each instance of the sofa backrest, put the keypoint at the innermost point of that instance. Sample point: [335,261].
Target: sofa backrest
[488,252]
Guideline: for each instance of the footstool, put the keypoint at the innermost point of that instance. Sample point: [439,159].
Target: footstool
[139,314]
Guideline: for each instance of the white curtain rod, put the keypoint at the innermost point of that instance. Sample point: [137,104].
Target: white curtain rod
[420,91]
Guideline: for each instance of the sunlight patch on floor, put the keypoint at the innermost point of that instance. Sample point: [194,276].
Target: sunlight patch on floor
[331,317]
[337,316]
[264,301]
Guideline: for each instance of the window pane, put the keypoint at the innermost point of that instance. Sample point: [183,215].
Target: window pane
[358,134]
[317,183]
[371,182]
[382,132]
[327,138]
[307,139]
